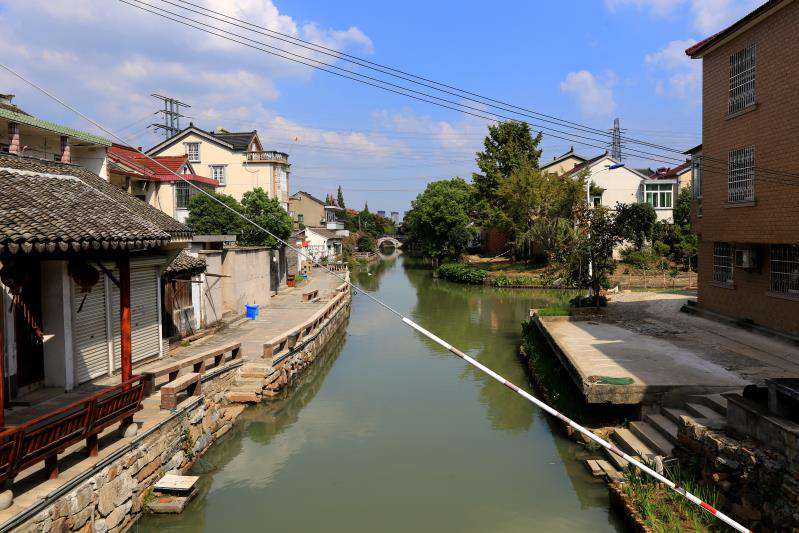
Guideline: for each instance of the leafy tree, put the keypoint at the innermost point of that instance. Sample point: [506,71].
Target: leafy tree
[591,243]
[438,223]
[208,217]
[635,223]
[366,244]
[537,208]
[341,198]
[508,146]
[686,240]
[268,213]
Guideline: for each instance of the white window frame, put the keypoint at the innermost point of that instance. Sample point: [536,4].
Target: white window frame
[723,263]
[187,145]
[785,269]
[741,175]
[596,200]
[658,196]
[742,79]
[223,168]
[180,187]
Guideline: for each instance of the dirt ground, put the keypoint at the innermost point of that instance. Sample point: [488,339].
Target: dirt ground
[752,355]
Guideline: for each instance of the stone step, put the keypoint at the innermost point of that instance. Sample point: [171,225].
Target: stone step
[629,443]
[652,437]
[717,402]
[701,411]
[674,414]
[250,386]
[620,463]
[664,426]
[594,468]
[609,471]
[236,396]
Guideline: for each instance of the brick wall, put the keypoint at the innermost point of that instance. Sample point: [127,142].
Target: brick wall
[771,127]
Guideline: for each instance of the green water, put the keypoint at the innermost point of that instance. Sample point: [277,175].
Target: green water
[389,432]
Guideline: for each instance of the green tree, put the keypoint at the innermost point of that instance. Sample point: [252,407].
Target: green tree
[438,224]
[635,223]
[591,243]
[208,217]
[366,244]
[508,146]
[267,213]
[685,239]
[340,198]
[537,208]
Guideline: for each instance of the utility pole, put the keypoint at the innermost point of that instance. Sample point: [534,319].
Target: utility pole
[172,115]
[615,145]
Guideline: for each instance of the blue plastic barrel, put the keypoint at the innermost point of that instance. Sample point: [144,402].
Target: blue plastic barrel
[252,311]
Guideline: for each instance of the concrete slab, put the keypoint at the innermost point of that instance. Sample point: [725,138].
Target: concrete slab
[658,371]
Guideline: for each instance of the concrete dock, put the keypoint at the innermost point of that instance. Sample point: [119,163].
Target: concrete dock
[613,365]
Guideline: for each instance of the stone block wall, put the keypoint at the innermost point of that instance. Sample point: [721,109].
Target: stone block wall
[757,484]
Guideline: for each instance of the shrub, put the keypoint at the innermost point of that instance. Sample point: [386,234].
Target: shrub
[517,281]
[366,244]
[460,273]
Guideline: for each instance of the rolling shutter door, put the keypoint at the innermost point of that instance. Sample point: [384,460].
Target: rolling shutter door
[145,333]
[89,335]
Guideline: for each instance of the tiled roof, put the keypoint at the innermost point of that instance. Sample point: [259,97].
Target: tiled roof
[324,232]
[239,140]
[586,164]
[24,118]
[49,206]
[185,264]
[130,160]
[670,173]
[703,45]
[309,196]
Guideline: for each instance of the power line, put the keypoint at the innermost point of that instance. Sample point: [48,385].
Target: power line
[375,82]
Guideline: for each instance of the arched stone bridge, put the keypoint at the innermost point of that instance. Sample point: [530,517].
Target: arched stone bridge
[389,240]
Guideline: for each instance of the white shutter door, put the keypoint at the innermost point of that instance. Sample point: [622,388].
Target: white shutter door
[89,335]
[145,334]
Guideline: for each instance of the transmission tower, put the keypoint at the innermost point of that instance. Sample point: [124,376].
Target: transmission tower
[615,146]
[172,115]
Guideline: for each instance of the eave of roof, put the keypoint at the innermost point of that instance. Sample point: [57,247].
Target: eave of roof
[163,145]
[753,17]
[30,120]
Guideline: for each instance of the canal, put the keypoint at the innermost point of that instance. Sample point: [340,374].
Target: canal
[389,432]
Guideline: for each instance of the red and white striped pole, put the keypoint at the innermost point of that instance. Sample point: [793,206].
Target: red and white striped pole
[602,442]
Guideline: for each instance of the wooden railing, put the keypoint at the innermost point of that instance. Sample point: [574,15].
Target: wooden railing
[277,348]
[43,438]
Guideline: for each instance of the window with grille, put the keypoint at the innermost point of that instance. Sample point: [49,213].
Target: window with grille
[785,268]
[218,173]
[742,79]
[696,167]
[193,151]
[181,195]
[659,194]
[722,262]
[741,175]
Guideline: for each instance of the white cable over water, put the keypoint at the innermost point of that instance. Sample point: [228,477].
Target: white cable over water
[441,342]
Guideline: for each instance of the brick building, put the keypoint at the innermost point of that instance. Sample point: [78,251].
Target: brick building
[746,184]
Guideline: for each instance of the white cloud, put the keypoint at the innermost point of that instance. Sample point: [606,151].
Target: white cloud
[707,16]
[594,94]
[677,75]
[351,38]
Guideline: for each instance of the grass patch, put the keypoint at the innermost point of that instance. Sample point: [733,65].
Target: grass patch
[663,509]
[555,310]
[461,273]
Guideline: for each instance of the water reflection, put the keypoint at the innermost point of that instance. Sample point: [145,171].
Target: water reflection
[392,434]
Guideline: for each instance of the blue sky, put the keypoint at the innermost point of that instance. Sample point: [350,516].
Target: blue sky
[586,61]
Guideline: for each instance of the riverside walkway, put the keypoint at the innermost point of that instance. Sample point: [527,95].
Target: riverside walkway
[285,311]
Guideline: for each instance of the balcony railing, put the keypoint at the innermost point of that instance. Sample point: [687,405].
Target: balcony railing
[268,156]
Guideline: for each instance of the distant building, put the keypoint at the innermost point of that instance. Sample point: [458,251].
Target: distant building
[381,214]
[564,163]
[395,218]
[306,209]
[745,211]
[236,160]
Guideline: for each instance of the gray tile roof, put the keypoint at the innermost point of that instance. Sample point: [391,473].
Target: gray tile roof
[185,264]
[239,140]
[49,206]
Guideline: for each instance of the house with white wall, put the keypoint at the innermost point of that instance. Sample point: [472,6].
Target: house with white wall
[235,160]
[22,133]
[614,182]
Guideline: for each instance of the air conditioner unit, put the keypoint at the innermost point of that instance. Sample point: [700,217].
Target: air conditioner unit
[745,258]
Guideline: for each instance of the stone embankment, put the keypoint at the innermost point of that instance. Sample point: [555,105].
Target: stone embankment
[110,496]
